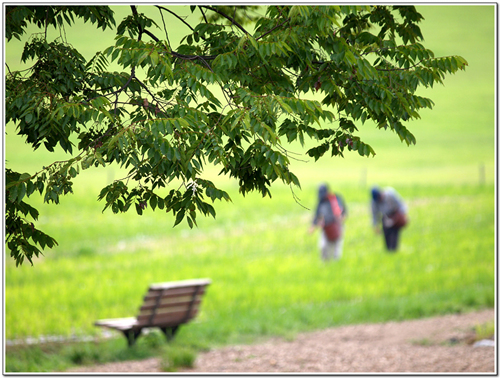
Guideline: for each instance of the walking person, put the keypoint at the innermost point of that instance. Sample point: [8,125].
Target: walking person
[389,210]
[330,214]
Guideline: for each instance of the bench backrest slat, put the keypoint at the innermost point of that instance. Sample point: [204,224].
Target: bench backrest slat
[166,303]
[172,293]
[164,320]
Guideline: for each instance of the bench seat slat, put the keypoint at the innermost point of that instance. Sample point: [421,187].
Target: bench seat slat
[118,323]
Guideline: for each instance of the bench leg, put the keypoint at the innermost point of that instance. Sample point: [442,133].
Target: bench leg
[169,332]
[132,336]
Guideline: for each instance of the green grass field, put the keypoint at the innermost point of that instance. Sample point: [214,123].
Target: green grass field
[267,276]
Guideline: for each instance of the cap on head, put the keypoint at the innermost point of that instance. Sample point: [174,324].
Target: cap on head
[322,191]
[376,194]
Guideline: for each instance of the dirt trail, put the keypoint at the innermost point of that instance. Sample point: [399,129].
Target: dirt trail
[439,344]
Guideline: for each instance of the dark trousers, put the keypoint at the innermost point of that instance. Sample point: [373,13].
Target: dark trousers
[391,236]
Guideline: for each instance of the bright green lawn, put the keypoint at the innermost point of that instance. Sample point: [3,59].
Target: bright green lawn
[266,272]
[264,265]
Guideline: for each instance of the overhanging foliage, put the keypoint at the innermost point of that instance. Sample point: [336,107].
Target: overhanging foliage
[168,122]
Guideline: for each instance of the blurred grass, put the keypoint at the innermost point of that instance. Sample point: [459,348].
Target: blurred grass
[262,265]
[266,272]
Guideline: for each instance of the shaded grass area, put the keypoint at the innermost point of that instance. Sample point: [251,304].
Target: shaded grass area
[61,357]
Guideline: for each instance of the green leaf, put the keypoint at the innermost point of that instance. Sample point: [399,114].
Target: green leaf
[179,217]
[142,57]
[155,58]
[13,193]
[21,192]
[350,57]
[153,201]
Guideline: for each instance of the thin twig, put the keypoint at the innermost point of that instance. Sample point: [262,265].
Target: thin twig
[227,17]
[164,26]
[297,199]
[179,17]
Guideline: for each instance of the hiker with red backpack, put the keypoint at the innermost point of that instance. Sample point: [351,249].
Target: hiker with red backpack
[331,212]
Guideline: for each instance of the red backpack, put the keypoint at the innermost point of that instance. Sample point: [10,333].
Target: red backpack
[333,230]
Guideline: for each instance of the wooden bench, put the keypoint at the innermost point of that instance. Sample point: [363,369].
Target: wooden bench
[166,306]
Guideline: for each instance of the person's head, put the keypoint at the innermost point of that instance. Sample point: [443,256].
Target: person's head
[323,191]
[376,194]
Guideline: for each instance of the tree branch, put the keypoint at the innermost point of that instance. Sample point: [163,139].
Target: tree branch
[134,12]
[179,17]
[182,56]
[273,29]
[204,16]
[225,16]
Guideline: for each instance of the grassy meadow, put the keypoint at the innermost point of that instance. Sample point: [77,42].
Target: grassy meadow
[267,275]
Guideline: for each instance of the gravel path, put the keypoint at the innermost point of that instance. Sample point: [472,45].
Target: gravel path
[439,344]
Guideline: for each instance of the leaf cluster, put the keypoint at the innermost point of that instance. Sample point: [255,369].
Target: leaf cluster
[23,238]
[17,18]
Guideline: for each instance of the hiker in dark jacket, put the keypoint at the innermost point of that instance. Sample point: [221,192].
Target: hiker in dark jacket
[389,210]
[330,214]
